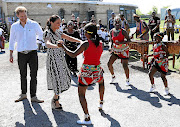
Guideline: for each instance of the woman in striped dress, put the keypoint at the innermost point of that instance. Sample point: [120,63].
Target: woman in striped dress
[58,74]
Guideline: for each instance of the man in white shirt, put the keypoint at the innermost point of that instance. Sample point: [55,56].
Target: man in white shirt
[24,32]
[124,23]
[170,22]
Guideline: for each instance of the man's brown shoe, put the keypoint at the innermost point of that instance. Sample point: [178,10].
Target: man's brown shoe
[22,97]
[34,99]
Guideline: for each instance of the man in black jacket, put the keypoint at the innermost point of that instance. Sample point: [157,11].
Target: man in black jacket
[153,24]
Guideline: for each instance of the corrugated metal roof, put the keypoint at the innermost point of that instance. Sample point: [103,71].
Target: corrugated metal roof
[68,1]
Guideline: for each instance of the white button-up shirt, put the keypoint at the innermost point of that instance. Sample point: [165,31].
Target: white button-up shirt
[25,36]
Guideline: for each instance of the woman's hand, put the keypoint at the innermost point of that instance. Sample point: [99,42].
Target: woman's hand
[60,43]
[110,50]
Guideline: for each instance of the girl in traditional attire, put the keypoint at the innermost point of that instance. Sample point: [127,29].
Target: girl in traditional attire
[159,62]
[91,71]
[120,49]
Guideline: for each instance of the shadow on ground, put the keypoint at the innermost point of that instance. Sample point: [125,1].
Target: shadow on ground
[172,100]
[65,119]
[2,52]
[114,123]
[140,94]
[40,119]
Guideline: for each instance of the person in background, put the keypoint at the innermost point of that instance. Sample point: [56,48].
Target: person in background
[159,62]
[111,21]
[141,28]
[5,31]
[103,34]
[106,35]
[170,21]
[73,19]
[85,19]
[153,25]
[141,32]
[93,21]
[1,31]
[91,71]
[58,75]
[78,23]
[2,38]
[63,25]
[100,24]
[40,42]
[99,31]
[82,32]
[71,62]
[125,24]
[24,32]
[93,17]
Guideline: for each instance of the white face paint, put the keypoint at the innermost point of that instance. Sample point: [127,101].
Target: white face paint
[117,23]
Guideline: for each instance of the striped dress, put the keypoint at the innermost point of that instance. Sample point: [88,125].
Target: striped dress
[58,74]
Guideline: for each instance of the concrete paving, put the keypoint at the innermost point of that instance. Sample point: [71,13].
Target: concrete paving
[124,106]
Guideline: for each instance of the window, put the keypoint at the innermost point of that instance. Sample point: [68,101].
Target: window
[128,15]
[109,14]
[133,12]
[90,13]
[121,10]
[61,13]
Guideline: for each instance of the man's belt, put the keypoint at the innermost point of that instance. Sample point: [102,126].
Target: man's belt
[27,51]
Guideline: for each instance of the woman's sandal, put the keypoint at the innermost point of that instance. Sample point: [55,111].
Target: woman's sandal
[86,120]
[100,105]
[53,104]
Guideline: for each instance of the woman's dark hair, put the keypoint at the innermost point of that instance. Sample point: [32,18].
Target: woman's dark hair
[53,18]
[92,30]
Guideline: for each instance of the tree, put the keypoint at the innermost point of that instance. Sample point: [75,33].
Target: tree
[154,8]
[138,12]
[166,7]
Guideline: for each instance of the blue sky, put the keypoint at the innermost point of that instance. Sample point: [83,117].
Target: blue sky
[146,5]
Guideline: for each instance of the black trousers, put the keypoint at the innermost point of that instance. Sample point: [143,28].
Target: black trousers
[32,59]
[152,34]
[71,62]
[170,32]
